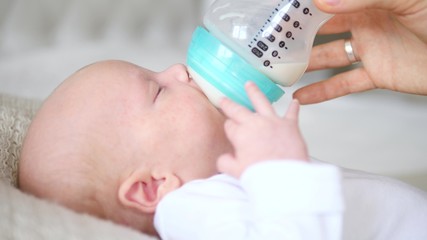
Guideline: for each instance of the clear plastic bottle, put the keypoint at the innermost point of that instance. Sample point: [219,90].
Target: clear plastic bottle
[265,41]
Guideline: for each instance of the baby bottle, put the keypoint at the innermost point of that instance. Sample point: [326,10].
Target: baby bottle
[264,41]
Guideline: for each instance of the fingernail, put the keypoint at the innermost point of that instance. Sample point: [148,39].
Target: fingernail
[296,101]
[331,2]
[249,84]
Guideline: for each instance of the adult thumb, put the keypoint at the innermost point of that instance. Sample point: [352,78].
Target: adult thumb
[349,6]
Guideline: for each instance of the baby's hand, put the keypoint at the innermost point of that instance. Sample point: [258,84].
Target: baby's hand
[260,136]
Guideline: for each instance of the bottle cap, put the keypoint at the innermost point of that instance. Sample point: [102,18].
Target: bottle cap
[225,70]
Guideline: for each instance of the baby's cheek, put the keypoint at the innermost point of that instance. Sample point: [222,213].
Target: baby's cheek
[209,169]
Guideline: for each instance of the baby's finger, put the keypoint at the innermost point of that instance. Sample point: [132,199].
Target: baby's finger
[293,110]
[230,128]
[259,100]
[234,111]
[227,164]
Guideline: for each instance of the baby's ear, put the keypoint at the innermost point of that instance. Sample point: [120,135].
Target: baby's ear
[143,191]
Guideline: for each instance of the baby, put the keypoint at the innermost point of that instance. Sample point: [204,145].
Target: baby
[130,145]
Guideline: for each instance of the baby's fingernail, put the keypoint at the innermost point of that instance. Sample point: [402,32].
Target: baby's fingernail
[331,2]
[249,84]
[295,101]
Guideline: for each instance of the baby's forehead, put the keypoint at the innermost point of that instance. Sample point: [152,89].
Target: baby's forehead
[109,78]
[105,65]
[106,95]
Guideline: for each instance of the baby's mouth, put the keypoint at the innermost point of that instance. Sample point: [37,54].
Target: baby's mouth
[196,86]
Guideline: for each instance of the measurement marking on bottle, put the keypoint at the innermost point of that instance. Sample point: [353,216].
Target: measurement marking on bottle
[262,45]
[279,28]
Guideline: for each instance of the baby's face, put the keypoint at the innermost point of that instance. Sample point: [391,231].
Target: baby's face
[155,118]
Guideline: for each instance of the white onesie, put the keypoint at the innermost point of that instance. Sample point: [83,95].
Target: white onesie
[272,200]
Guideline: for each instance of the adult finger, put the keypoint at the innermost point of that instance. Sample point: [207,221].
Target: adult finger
[259,100]
[346,6]
[356,80]
[329,55]
[337,24]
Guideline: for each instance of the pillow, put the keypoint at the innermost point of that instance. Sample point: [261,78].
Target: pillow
[26,217]
[15,116]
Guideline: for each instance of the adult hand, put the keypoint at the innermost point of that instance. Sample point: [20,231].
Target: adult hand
[388,37]
[260,136]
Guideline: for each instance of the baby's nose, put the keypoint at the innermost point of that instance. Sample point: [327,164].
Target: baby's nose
[180,73]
